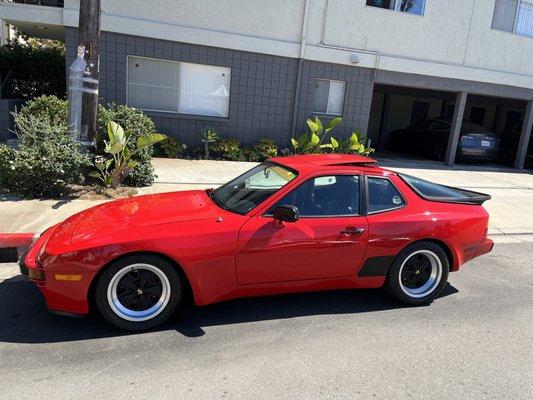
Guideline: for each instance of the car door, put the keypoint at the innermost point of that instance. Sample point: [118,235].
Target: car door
[327,241]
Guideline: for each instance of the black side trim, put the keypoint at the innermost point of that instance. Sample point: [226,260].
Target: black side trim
[376,266]
[9,255]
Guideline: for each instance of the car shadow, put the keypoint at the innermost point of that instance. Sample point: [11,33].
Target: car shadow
[24,318]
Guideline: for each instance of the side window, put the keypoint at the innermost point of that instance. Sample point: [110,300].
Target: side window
[325,196]
[383,195]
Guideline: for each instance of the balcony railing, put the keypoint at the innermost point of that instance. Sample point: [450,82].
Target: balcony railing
[48,3]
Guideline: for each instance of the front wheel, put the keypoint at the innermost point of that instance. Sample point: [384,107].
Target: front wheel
[418,274]
[138,292]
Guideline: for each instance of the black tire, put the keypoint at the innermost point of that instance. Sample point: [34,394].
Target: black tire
[165,304]
[409,270]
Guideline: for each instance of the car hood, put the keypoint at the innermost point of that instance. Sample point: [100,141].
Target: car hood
[136,213]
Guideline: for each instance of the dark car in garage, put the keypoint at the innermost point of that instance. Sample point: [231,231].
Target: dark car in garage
[429,138]
[509,146]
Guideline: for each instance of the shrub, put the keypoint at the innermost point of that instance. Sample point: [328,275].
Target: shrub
[171,148]
[36,68]
[46,162]
[7,155]
[209,136]
[227,149]
[119,156]
[45,112]
[266,148]
[136,123]
[315,140]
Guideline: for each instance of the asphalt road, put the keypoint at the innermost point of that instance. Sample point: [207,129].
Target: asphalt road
[476,341]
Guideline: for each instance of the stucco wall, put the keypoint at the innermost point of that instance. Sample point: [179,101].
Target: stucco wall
[453,39]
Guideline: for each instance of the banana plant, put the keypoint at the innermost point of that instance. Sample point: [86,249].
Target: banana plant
[314,140]
[120,161]
[354,144]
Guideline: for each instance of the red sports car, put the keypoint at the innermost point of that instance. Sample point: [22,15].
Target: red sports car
[290,224]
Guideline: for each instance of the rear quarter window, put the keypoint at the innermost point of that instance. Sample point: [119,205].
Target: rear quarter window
[383,195]
[436,192]
[431,189]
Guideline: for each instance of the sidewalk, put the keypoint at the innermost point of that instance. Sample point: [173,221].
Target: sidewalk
[511,207]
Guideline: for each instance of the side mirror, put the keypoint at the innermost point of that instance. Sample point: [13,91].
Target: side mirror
[286,213]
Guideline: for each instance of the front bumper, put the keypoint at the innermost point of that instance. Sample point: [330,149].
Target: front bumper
[61,296]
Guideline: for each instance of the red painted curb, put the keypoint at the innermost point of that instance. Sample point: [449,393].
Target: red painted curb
[16,239]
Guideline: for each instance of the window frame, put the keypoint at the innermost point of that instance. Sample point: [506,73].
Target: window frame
[387,209]
[397,6]
[515,21]
[362,197]
[327,102]
[178,112]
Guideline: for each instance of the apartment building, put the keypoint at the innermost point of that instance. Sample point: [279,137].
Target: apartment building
[253,69]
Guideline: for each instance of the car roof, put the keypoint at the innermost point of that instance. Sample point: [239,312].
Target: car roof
[311,162]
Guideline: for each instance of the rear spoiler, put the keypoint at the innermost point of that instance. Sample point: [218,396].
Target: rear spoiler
[473,198]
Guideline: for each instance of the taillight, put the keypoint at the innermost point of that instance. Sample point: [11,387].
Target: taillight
[36,273]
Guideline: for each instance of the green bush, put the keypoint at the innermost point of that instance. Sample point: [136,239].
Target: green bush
[266,148]
[45,112]
[119,162]
[36,68]
[315,140]
[7,173]
[226,149]
[137,123]
[46,162]
[171,148]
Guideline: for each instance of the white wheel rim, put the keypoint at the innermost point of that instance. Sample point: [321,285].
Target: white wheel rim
[434,273]
[133,315]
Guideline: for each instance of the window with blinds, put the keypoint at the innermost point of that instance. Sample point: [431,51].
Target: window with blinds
[515,16]
[406,6]
[328,97]
[171,86]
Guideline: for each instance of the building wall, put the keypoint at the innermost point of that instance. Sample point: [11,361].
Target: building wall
[7,106]
[453,39]
[262,88]
[357,95]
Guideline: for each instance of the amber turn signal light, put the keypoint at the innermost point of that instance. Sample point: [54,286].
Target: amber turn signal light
[68,277]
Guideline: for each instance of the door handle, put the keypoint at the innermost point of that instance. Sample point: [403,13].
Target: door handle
[352,230]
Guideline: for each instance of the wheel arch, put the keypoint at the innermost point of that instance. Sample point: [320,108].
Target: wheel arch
[443,245]
[189,296]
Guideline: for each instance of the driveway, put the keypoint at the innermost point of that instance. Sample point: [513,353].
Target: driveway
[474,342]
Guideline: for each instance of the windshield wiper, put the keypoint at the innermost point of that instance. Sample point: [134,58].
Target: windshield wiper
[212,196]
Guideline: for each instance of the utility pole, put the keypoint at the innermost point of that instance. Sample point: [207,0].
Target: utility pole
[88,40]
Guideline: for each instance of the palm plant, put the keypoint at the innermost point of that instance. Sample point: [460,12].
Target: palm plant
[209,135]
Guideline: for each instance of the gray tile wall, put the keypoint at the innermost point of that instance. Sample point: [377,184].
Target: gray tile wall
[357,95]
[261,93]
[7,106]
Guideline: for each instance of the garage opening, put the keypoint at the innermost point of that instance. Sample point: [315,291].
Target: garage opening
[417,123]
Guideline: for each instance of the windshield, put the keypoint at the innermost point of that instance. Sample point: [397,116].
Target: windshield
[252,188]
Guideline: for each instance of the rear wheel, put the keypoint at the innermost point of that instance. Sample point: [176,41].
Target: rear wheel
[138,292]
[418,274]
